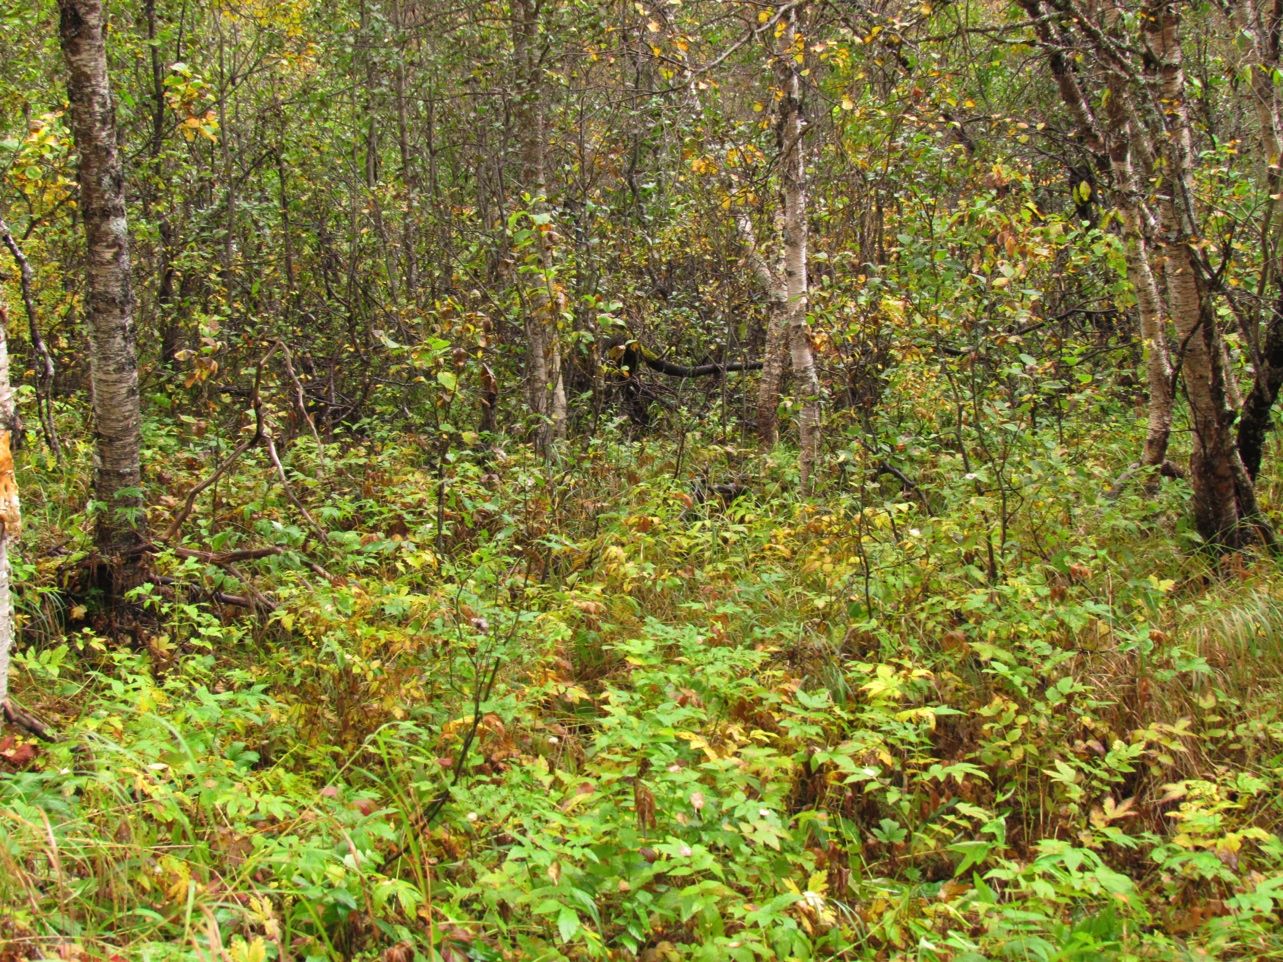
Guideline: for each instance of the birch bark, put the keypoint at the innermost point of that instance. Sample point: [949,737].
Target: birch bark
[794,235]
[1262,26]
[1225,510]
[1117,142]
[544,298]
[10,513]
[120,532]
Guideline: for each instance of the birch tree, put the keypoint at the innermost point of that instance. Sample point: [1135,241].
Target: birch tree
[794,238]
[1138,73]
[542,295]
[10,513]
[1224,498]
[1118,144]
[1260,28]
[120,533]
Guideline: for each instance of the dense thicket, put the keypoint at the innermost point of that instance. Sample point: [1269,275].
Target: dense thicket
[658,479]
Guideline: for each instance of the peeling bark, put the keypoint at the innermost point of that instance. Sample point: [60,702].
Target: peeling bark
[1225,511]
[1262,26]
[120,534]
[1140,274]
[794,236]
[1115,144]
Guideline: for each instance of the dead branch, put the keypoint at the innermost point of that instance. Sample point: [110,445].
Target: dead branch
[300,398]
[25,720]
[270,444]
[44,366]
[255,602]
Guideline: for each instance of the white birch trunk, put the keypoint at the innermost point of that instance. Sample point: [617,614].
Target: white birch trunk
[120,532]
[1261,24]
[1140,273]
[10,513]
[1224,499]
[793,201]
[1117,142]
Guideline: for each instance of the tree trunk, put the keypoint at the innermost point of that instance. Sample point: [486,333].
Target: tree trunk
[794,236]
[1140,273]
[1262,25]
[10,514]
[1256,417]
[774,355]
[41,359]
[544,301]
[409,177]
[120,533]
[1225,511]
[1115,143]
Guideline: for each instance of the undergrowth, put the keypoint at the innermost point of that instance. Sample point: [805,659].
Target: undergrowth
[571,711]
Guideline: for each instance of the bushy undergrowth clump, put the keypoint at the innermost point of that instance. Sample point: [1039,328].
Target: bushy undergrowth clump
[536,712]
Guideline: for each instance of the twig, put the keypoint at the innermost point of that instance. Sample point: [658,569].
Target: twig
[255,603]
[300,398]
[44,366]
[289,489]
[256,402]
[25,720]
[906,483]
[480,693]
[223,558]
[1167,469]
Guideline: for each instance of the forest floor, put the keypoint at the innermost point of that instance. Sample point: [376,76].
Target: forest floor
[567,711]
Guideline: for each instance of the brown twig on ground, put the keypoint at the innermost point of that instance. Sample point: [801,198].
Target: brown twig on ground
[256,403]
[262,436]
[257,601]
[25,720]
[223,558]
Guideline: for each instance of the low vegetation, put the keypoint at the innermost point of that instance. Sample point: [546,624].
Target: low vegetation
[575,714]
[646,481]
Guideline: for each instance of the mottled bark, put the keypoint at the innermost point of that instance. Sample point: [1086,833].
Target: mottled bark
[1115,144]
[1225,510]
[1262,25]
[1257,415]
[543,296]
[119,532]
[774,352]
[794,236]
[41,358]
[1140,274]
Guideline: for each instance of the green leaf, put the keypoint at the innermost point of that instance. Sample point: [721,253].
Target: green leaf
[567,923]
